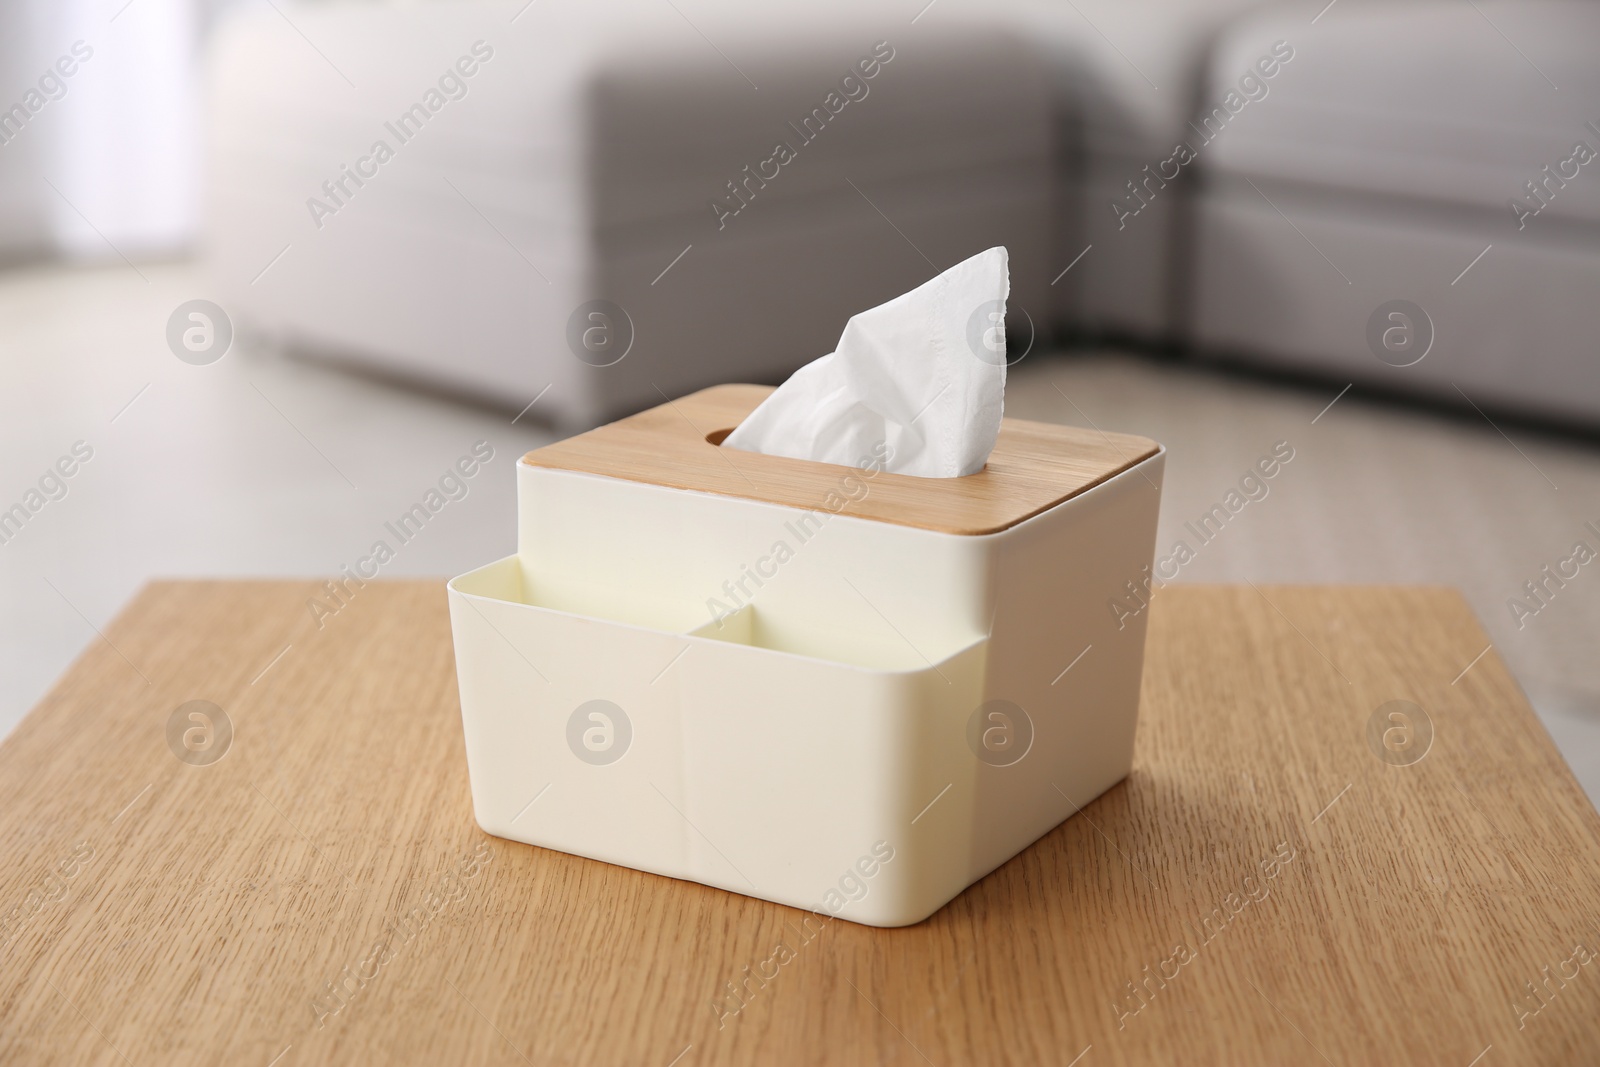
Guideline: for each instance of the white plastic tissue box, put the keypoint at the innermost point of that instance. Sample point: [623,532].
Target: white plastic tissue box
[828,686]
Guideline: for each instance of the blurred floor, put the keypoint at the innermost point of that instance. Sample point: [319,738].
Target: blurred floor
[259,466]
[254,465]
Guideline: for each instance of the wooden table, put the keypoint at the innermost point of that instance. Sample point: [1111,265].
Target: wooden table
[1269,886]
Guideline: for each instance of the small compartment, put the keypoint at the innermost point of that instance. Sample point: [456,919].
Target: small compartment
[878,649]
[514,581]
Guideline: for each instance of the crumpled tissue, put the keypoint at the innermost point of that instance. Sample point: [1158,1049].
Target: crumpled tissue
[924,375]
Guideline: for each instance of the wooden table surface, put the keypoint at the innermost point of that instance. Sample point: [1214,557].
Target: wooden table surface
[1275,883]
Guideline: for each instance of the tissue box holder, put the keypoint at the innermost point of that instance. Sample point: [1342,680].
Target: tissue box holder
[835,688]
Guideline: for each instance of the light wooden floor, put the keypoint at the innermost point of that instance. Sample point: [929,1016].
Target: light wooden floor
[261,466]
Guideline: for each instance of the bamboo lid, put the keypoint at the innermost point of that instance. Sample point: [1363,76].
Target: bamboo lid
[1034,466]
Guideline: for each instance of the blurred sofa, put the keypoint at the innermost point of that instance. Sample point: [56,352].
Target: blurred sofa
[614,205]
[1423,163]
[598,214]
[1123,78]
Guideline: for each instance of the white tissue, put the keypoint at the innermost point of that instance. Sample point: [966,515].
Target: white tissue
[924,374]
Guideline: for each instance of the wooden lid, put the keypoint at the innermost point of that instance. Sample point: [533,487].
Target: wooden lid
[1034,466]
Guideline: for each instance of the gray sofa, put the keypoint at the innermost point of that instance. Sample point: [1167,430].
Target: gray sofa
[1242,181]
[1417,173]
[619,202]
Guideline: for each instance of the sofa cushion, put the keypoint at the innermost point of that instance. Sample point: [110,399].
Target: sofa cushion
[1437,102]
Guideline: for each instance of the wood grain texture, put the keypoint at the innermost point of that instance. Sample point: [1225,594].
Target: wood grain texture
[219,901]
[1034,466]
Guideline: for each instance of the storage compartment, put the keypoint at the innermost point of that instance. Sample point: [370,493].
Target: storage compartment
[722,759]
